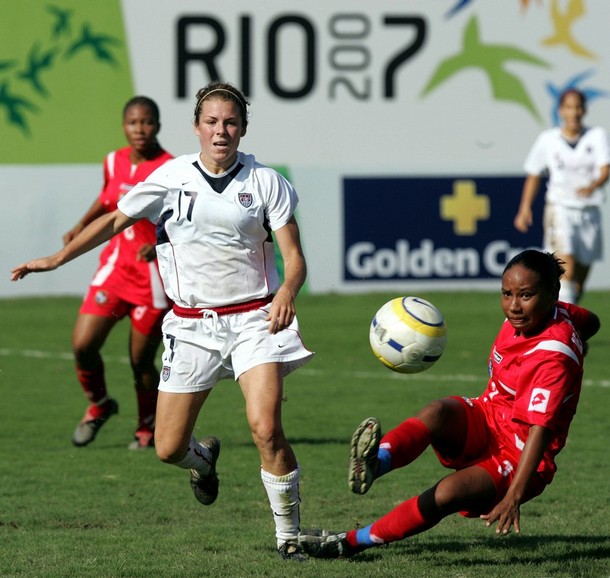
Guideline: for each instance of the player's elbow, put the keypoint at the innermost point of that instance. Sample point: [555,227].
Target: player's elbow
[592,326]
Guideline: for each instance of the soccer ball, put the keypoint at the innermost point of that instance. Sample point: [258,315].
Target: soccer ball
[408,334]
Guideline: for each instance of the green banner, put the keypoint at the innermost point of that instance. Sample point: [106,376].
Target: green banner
[64,78]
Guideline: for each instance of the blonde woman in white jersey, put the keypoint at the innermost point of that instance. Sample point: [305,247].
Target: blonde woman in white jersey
[577,161]
[233,318]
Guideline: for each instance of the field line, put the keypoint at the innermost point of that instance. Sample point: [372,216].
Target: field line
[59,355]
[367,375]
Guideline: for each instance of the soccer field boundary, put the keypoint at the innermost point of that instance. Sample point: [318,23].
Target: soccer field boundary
[308,371]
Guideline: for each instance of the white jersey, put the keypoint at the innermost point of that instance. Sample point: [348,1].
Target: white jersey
[570,167]
[214,243]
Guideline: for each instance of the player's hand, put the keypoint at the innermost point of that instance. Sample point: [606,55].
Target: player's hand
[34,266]
[585,191]
[506,514]
[282,311]
[146,253]
[523,221]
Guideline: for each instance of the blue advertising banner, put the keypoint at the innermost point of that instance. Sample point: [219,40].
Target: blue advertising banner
[454,228]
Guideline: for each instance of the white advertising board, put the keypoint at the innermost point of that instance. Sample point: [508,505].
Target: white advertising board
[338,90]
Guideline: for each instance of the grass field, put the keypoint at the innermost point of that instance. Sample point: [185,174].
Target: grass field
[106,512]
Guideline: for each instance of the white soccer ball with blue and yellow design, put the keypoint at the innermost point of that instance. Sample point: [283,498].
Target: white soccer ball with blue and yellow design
[408,334]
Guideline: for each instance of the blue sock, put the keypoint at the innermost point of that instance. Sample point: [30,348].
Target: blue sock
[363,536]
[385,461]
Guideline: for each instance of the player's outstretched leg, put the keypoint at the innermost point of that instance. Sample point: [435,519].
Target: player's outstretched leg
[363,465]
[205,485]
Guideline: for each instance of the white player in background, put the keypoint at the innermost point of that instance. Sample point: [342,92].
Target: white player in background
[577,160]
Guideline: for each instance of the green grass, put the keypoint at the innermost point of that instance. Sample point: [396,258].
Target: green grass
[104,511]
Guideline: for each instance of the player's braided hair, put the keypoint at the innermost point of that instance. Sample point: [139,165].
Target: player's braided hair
[223,91]
[548,267]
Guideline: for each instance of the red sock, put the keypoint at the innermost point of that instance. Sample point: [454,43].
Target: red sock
[94,386]
[351,538]
[147,407]
[403,521]
[406,442]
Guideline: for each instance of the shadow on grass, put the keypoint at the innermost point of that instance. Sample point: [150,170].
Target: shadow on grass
[510,551]
[561,551]
[296,441]
[342,441]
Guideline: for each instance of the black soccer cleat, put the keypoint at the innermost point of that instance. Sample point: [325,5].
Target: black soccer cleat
[205,486]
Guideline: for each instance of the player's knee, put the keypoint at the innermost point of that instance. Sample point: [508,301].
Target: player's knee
[143,369]
[444,496]
[86,356]
[436,414]
[142,356]
[169,453]
[427,504]
[267,435]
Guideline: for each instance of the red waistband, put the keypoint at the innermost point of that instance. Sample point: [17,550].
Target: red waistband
[224,310]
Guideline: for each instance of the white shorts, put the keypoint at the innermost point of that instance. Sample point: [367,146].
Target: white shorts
[571,231]
[201,351]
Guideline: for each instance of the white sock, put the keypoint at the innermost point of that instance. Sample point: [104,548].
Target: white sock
[197,458]
[283,494]
[567,292]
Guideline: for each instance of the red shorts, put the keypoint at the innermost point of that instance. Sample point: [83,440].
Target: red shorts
[99,301]
[482,449]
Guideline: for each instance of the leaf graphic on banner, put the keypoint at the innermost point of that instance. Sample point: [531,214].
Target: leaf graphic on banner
[42,59]
[563,24]
[62,22]
[15,106]
[7,64]
[37,62]
[491,59]
[96,43]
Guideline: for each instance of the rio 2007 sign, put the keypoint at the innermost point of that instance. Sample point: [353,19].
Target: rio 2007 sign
[348,56]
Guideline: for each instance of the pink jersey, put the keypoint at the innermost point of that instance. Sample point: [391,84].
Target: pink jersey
[536,381]
[135,281]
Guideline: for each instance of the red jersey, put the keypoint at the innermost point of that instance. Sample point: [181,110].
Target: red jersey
[536,380]
[135,281]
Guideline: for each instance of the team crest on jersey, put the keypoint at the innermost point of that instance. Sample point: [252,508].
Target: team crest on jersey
[165,373]
[245,199]
[497,356]
[539,400]
[101,297]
